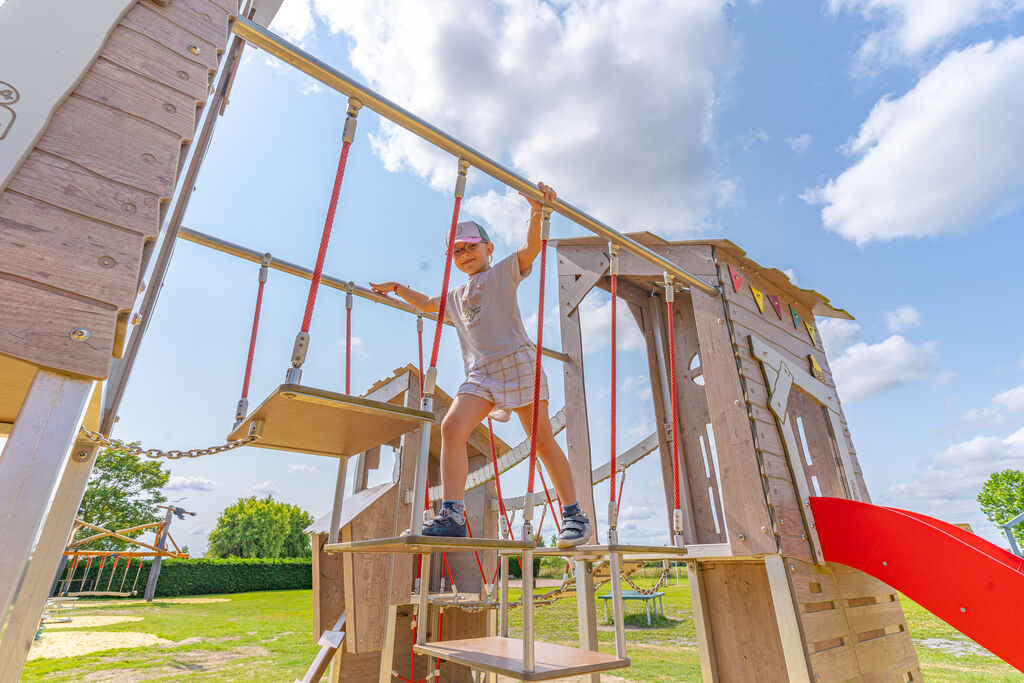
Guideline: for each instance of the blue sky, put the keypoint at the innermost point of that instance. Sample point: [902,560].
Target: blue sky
[870,147]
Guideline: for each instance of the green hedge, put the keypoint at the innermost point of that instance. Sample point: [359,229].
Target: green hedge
[201,576]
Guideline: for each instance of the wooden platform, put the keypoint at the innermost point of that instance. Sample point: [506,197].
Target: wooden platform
[418,545]
[505,656]
[645,553]
[307,420]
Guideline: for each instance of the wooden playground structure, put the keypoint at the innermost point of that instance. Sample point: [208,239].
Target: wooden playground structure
[750,428]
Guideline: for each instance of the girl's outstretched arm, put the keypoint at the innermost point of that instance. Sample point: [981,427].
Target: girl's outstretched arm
[416,299]
[528,252]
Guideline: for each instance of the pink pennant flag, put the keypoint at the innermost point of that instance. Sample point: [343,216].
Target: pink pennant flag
[774,301]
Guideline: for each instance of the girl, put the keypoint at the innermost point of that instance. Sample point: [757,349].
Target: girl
[499,361]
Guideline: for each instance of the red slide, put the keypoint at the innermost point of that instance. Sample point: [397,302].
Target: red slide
[971,584]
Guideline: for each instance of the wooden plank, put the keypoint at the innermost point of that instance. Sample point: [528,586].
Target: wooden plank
[35,326]
[877,653]
[60,183]
[138,53]
[114,145]
[504,656]
[157,27]
[781,493]
[368,605]
[825,624]
[835,665]
[328,587]
[880,615]
[67,251]
[795,547]
[127,91]
[203,18]
[787,618]
[746,509]
[580,258]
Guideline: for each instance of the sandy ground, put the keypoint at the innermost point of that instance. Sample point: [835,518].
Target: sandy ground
[77,643]
[86,604]
[92,622]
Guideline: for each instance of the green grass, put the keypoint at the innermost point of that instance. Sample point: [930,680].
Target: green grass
[266,637]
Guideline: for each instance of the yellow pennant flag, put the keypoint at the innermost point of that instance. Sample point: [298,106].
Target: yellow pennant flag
[758,297]
[816,370]
[811,331]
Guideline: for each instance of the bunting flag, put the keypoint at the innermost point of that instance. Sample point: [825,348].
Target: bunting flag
[737,279]
[758,297]
[796,317]
[816,370]
[774,300]
[814,334]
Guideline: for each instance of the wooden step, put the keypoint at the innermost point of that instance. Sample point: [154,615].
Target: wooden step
[418,545]
[505,656]
[628,553]
[306,420]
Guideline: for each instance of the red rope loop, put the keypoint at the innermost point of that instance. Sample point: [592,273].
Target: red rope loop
[614,383]
[252,340]
[443,303]
[325,238]
[537,369]
[675,412]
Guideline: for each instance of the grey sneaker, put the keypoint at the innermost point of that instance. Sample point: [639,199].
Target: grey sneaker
[575,531]
[446,523]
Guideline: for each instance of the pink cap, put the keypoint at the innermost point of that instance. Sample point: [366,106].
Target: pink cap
[470,231]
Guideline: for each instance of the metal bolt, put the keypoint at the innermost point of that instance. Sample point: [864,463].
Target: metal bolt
[182,75]
[807,503]
[169,108]
[107,262]
[792,568]
[720,321]
[737,401]
[742,537]
[812,525]
[803,537]
[81,456]
[963,609]
[80,334]
[148,158]
[884,563]
[194,49]
[128,207]
[764,530]
[136,319]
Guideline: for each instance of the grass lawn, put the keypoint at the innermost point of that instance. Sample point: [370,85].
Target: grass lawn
[266,637]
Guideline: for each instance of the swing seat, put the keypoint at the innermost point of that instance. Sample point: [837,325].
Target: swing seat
[504,656]
[306,420]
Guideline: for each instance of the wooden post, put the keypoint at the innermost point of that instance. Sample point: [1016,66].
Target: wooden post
[586,611]
[793,646]
[154,570]
[49,552]
[32,462]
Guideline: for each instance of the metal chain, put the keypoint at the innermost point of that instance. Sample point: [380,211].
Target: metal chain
[154,453]
[648,591]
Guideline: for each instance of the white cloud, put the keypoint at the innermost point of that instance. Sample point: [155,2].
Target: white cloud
[791,274]
[950,481]
[198,531]
[505,215]
[863,370]
[266,488]
[799,143]
[303,469]
[912,27]
[932,164]
[592,97]
[836,333]
[294,21]
[596,322]
[1002,408]
[902,319]
[638,385]
[190,483]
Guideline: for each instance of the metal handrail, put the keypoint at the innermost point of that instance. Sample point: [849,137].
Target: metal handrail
[332,78]
[247,254]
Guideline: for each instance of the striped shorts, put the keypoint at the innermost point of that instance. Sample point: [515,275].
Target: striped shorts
[506,382]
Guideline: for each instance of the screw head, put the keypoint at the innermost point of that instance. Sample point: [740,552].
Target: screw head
[764,530]
[194,49]
[884,563]
[963,609]
[742,537]
[80,334]
[107,262]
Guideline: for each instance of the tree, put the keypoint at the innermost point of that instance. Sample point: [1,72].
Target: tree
[123,491]
[255,527]
[1002,499]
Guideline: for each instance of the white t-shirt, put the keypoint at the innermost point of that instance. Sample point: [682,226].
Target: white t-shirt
[486,314]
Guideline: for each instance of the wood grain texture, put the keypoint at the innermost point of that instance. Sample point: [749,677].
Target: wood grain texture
[35,326]
[328,587]
[61,183]
[159,28]
[138,53]
[67,251]
[203,18]
[746,509]
[114,145]
[127,91]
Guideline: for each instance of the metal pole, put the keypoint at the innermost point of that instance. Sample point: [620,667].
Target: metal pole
[121,369]
[527,597]
[339,500]
[332,78]
[226,247]
[154,570]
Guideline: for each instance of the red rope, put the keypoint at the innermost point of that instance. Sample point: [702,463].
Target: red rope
[497,476]
[348,350]
[252,340]
[443,303]
[551,505]
[469,530]
[325,238]
[615,289]
[537,370]
[675,412]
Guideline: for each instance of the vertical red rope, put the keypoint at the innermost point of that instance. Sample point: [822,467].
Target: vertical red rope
[469,530]
[675,411]
[615,300]
[252,340]
[443,303]
[497,475]
[537,369]
[547,495]
[325,238]
[348,350]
